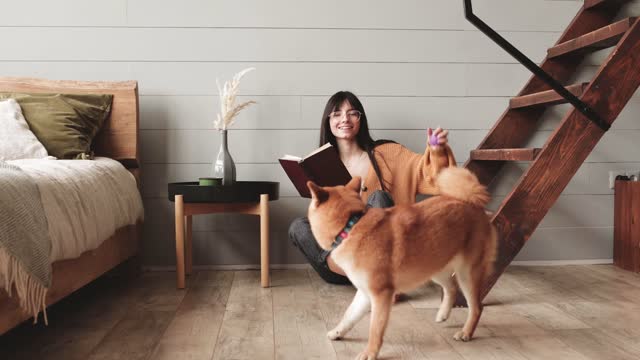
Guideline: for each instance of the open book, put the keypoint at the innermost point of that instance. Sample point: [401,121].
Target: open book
[323,166]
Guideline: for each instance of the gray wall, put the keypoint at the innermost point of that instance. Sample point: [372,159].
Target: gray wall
[414,63]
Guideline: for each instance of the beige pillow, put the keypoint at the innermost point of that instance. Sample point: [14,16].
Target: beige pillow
[17,141]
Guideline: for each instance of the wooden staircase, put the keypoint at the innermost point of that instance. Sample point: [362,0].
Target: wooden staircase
[553,165]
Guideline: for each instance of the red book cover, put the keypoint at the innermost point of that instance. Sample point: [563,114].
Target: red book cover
[323,166]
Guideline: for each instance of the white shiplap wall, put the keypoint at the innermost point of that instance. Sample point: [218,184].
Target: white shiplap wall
[414,63]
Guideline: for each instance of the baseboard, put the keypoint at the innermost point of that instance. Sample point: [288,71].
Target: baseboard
[307,266]
[232,267]
[562,262]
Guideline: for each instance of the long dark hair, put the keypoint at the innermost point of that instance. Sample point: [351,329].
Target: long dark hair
[363,138]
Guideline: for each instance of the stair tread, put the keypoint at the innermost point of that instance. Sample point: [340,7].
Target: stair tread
[519,154]
[588,4]
[546,98]
[599,39]
[564,152]
[515,126]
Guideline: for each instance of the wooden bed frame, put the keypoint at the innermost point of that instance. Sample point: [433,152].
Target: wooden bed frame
[118,140]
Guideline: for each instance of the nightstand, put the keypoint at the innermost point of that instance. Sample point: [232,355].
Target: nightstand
[244,197]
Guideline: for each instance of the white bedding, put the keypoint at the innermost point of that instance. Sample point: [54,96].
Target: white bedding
[85,201]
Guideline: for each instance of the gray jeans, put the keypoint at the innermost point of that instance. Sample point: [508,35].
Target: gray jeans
[301,236]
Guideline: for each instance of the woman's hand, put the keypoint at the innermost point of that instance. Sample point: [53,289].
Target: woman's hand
[437,137]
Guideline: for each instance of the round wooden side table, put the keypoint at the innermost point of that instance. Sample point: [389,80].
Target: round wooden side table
[244,197]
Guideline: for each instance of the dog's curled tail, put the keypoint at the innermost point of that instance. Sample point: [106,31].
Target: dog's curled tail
[462,184]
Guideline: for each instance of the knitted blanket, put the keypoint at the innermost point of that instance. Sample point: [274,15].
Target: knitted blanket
[24,240]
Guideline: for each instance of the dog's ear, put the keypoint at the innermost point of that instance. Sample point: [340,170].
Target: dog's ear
[318,194]
[354,184]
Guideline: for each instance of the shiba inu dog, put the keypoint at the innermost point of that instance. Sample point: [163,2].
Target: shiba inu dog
[397,249]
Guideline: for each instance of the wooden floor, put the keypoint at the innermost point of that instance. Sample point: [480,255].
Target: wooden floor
[569,312]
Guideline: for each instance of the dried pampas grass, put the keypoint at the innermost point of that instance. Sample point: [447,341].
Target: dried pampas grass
[228,109]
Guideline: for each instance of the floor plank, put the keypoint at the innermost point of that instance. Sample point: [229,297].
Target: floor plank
[333,300]
[153,306]
[299,327]
[193,332]
[546,316]
[134,337]
[613,273]
[595,345]
[411,336]
[604,315]
[543,347]
[77,324]
[485,344]
[247,327]
[568,312]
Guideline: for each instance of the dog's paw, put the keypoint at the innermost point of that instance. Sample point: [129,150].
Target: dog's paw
[366,355]
[462,336]
[441,318]
[334,334]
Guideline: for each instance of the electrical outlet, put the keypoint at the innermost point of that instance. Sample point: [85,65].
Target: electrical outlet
[633,174]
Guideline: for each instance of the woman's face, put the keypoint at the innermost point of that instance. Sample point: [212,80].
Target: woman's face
[345,122]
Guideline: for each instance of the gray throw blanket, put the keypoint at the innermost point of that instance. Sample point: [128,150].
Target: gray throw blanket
[24,240]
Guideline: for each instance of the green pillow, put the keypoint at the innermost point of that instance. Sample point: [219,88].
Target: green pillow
[64,123]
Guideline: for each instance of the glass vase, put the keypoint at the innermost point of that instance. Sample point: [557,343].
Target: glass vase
[223,166]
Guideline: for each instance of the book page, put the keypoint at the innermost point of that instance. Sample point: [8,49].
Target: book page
[321,148]
[296,158]
[290,157]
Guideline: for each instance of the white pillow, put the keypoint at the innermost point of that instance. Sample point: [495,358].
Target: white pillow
[16,140]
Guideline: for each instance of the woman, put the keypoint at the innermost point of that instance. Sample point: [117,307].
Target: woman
[390,172]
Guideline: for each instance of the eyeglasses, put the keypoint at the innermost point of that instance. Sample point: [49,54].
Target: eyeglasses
[353,115]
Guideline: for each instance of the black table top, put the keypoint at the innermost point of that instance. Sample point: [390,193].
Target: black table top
[240,192]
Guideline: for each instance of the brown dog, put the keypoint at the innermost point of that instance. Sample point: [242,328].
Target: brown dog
[394,250]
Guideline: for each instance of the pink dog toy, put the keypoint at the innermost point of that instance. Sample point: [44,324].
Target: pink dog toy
[433,140]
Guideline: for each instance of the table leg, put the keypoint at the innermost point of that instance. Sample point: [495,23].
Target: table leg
[189,246]
[179,204]
[264,239]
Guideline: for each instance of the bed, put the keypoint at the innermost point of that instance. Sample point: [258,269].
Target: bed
[117,141]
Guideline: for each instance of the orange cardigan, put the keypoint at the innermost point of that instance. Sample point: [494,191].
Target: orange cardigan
[406,173]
